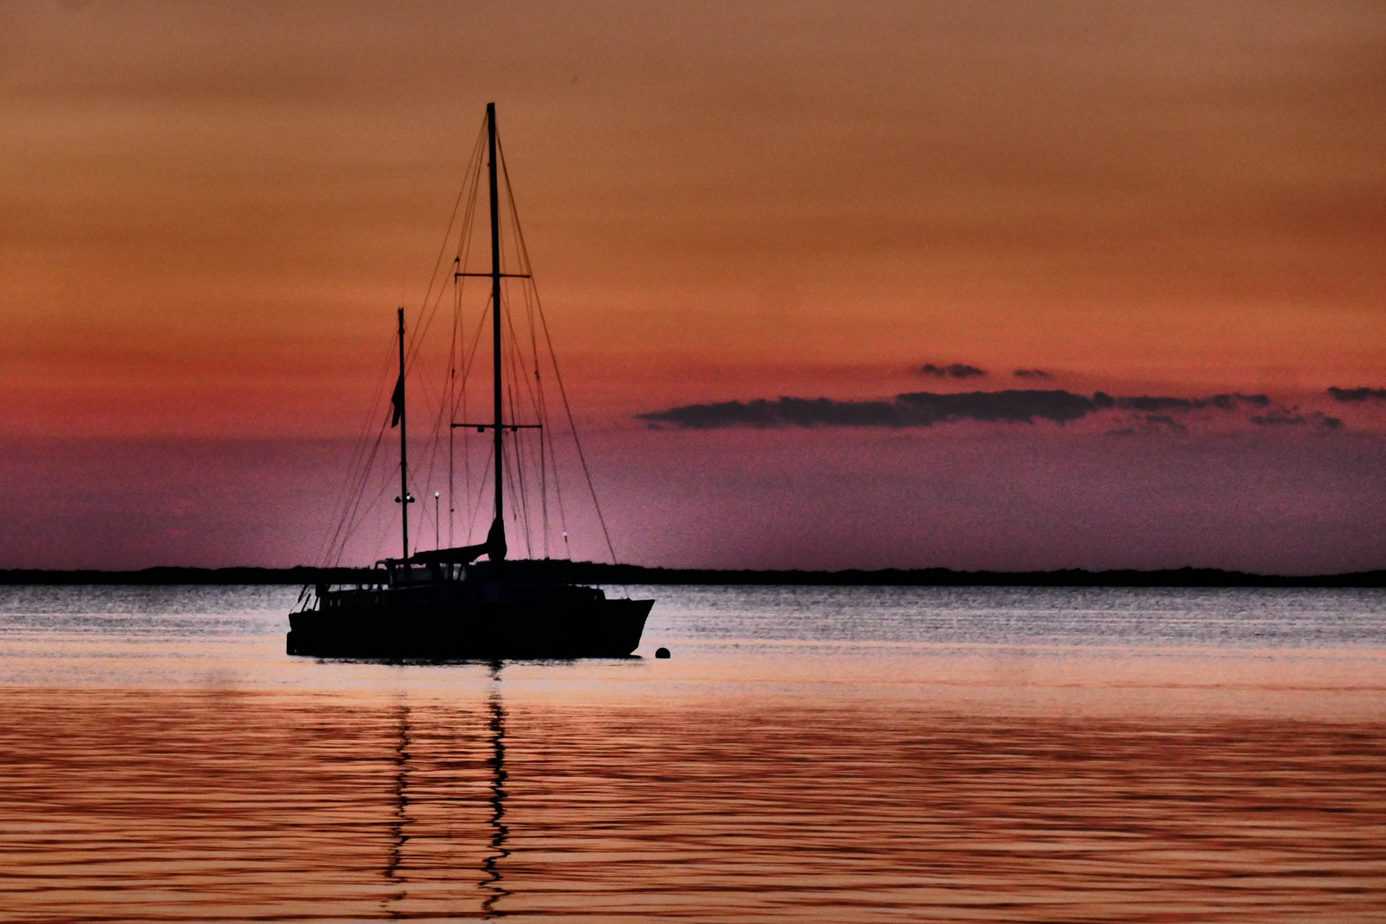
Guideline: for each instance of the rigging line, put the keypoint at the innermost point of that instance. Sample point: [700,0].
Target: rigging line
[348,523]
[467,366]
[533,390]
[517,497]
[352,511]
[481,488]
[354,520]
[517,452]
[429,313]
[466,374]
[362,484]
[342,535]
[529,287]
[415,355]
[386,527]
[552,463]
[435,450]
[558,494]
[446,402]
[528,284]
[466,463]
[423,488]
[515,502]
[452,219]
[380,492]
[343,494]
[517,363]
[549,461]
[456,346]
[423,323]
[470,361]
[433,441]
[517,360]
[543,494]
[352,478]
[343,507]
[361,480]
[464,248]
[476,341]
[577,442]
[435,406]
[542,412]
[421,330]
[562,390]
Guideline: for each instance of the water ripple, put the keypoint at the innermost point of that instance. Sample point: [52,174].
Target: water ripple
[216,806]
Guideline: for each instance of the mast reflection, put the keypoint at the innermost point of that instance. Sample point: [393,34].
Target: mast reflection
[499,831]
[401,803]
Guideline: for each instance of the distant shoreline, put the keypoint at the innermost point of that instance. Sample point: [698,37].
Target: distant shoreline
[597,573]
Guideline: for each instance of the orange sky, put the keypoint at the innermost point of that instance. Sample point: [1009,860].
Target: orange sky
[211,210]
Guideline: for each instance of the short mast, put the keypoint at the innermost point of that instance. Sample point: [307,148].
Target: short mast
[404,499]
[495,314]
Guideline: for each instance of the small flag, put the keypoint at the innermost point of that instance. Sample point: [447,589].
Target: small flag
[397,402]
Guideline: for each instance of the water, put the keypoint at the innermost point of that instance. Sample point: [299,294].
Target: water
[834,754]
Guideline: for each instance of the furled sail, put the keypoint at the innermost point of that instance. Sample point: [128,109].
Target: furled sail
[494,548]
[495,540]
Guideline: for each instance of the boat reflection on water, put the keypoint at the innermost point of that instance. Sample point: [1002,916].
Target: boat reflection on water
[393,902]
[401,818]
[450,794]
[499,830]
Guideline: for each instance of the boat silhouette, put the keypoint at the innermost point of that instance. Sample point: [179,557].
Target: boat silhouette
[447,603]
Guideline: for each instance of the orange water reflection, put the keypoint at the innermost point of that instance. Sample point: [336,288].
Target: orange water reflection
[145,805]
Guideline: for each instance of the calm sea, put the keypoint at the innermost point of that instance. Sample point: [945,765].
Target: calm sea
[829,754]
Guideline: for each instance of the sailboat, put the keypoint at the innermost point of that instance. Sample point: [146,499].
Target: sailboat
[447,603]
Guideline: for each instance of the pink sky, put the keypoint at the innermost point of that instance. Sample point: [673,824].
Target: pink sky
[211,212]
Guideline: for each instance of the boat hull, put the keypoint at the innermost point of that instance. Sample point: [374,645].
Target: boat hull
[391,628]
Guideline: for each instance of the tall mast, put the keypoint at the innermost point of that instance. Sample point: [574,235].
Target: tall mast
[495,311]
[404,498]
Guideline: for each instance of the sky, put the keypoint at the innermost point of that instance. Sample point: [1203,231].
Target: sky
[983,285]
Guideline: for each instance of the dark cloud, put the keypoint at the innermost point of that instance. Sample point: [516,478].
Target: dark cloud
[782,412]
[1357,395]
[1032,374]
[1156,403]
[915,409]
[952,371]
[924,409]
[1293,418]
